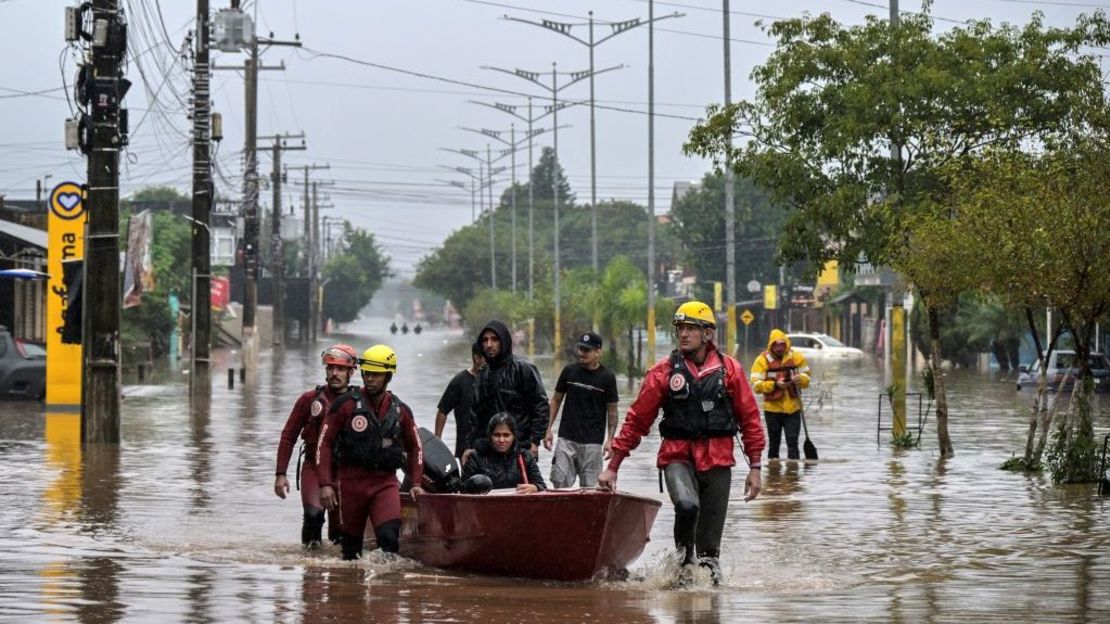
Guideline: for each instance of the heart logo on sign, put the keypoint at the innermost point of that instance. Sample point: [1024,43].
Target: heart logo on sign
[69,200]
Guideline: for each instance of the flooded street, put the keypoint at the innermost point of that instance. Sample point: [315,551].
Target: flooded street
[180,523]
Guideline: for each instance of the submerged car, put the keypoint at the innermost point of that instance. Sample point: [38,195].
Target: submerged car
[815,345]
[1064,367]
[22,368]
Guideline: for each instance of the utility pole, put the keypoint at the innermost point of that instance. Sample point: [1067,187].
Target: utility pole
[277,246]
[306,333]
[554,89]
[899,319]
[492,241]
[651,186]
[730,201]
[100,402]
[314,263]
[200,376]
[616,28]
[250,69]
[473,189]
[512,146]
[530,119]
[485,181]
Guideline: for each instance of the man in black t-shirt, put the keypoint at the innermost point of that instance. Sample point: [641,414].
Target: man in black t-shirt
[458,398]
[591,411]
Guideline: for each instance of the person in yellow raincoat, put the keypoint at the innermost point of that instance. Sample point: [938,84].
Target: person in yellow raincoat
[779,374]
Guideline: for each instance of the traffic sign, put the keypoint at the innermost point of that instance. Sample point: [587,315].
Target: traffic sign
[747,317]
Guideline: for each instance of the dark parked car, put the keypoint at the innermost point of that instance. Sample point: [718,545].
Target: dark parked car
[22,368]
[1062,366]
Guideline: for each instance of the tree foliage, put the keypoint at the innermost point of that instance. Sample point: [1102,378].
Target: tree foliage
[856,129]
[1051,209]
[353,275]
[698,219]
[460,268]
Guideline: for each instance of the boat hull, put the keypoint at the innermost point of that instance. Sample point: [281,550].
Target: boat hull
[563,535]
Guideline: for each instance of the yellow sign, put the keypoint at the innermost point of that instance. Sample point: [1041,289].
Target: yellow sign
[718,295]
[66,241]
[770,297]
[747,317]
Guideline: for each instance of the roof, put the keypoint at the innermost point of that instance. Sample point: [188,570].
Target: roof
[848,295]
[29,235]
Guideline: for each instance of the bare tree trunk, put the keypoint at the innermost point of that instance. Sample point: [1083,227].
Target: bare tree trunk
[943,439]
[1049,416]
[1040,400]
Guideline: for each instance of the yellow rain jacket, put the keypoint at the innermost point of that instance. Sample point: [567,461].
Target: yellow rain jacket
[767,369]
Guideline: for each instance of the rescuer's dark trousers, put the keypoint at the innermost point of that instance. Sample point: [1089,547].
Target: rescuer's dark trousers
[776,423]
[700,504]
[369,496]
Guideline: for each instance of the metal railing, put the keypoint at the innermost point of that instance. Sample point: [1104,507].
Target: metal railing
[922,415]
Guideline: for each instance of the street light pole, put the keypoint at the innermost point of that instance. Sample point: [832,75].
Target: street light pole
[730,200]
[530,119]
[565,29]
[554,89]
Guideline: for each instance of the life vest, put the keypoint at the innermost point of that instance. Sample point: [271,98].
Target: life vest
[370,443]
[696,408]
[780,370]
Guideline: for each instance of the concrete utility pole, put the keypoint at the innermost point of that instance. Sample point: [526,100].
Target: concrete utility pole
[200,377]
[250,69]
[100,402]
[314,296]
[899,318]
[730,202]
[485,181]
[530,134]
[468,172]
[554,89]
[565,29]
[306,255]
[277,246]
[512,146]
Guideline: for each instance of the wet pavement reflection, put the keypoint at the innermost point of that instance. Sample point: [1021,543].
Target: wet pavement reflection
[179,522]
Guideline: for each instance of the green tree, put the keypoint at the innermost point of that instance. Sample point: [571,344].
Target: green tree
[171,254]
[460,268]
[834,103]
[352,276]
[1053,207]
[698,220]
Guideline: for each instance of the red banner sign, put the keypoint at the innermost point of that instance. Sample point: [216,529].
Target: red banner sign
[220,293]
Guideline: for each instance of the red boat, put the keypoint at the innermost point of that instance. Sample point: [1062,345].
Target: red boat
[562,535]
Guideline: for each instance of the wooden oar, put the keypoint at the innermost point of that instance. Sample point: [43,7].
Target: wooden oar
[808,448]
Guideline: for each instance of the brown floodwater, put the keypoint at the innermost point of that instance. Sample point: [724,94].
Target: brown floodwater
[179,523]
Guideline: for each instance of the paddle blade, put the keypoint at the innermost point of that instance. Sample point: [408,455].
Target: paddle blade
[809,450]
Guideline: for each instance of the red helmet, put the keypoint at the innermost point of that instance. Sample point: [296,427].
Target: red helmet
[340,355]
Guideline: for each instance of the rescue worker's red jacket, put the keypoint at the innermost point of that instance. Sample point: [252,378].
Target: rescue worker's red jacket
[302,420]
[339,418]
[704,453]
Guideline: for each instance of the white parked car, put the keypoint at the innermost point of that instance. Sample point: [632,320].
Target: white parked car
[813,345]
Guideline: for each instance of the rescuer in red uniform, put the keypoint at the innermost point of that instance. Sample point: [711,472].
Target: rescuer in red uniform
[305,419]
[705,401]
[370,434]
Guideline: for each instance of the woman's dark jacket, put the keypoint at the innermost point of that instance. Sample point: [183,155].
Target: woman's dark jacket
[502,468]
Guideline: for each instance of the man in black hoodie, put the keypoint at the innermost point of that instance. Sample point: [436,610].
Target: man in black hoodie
[510,384]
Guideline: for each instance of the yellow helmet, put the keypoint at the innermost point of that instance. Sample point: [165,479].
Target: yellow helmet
[378,359]
[696,313]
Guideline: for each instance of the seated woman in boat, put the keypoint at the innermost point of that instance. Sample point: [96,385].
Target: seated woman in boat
[498,463]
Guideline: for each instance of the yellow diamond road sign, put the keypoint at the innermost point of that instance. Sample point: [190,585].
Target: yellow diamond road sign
[747,317]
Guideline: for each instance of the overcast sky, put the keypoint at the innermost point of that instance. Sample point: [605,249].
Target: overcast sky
[381,131]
